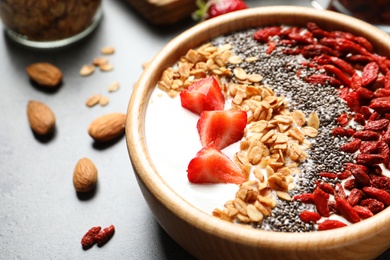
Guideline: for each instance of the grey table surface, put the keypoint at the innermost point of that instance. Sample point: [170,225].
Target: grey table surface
[41,215]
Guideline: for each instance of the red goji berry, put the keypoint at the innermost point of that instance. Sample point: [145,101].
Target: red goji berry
[263,34]
[330,224]
[330,175]
[312,50]
[317,31]
[342,65]
[305,37]
[271,47]
[104,235]
[364,43]
[360,174]
[323,80]
[384,151]
[321,201]
[363,212]
[379,83]
[356,81]
[88,239]
[359,58]
[352,100]
[378,194]
[359,118]
[338,74]
[344,175]
[346,210]
[355,196]
[309,216]
[387,81]
[352,146]
[350,184]
[376,125]
[339,131]
[373,205]
[382,92]
[343,119]
[365,110]
[364,94]
[369,147]
[374,116]
[304,198]
[366,135]
[380,105]
[381,182]
[339,191]
[369,159]
[326,187]
[332,207]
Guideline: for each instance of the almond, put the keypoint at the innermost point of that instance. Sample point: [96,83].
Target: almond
[41,118]
[107,127]
[85,175]
[45,74]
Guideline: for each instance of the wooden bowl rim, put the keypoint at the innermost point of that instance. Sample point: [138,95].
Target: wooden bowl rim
[148,175]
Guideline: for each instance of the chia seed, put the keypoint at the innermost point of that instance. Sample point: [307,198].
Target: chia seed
[280,74]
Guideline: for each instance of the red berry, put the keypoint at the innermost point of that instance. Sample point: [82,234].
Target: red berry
[204,94]
[212,166]
[221,128]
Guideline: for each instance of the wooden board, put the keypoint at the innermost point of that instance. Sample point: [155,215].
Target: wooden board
[162,12]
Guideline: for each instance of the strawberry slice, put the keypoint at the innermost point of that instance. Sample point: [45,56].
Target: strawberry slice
[221,128]
[212,166]
[204,94]
[213,8]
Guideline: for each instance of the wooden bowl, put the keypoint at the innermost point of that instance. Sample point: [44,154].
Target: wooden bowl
[205,236]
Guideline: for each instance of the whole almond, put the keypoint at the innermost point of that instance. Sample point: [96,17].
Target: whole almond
[45,74]
[107,127]
[40,117]
[85,175]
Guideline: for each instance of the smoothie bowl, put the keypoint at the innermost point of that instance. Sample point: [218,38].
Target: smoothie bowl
[263,134]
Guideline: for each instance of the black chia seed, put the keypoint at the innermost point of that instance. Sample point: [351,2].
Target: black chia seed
[280,74]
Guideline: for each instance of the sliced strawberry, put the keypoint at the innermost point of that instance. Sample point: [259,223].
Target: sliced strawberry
[212,166]
[203,95]
[221,128]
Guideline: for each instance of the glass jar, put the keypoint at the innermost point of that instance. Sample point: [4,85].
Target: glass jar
[49,23]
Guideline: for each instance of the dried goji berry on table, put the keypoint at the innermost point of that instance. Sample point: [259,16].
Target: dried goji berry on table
[321,201]
[330,224]
[365,110]
[309,216]
[373,205]
[271,47]
[353,102]
[312,50]
[350,184]
[378,194]
[387,81]
[382,92]
[356,81]
[328,188]
[104,235]
[346,210]
[88,239]
[379,104]
[364,43]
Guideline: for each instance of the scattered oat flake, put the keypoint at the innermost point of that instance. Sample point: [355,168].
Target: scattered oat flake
[87,70]
[106,67]
[104,101]
[114,86]
[107,50]
[99,61]
[93,100]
